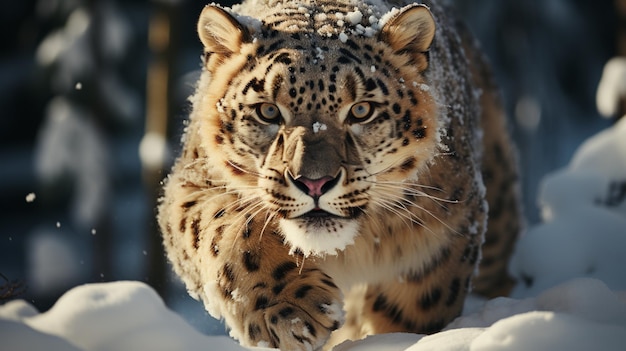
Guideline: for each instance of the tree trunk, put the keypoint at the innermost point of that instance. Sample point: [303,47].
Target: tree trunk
[159,109]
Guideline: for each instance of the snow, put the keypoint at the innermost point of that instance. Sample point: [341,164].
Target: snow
[580,315]
[612,86]
[375,12]
[354,17]
[153,150]
[30,197]
[343,37]
[70,144]
[583,208]
[64,47]
[605,153]
[317,127]
[384,342]
[122,315]
[547,330]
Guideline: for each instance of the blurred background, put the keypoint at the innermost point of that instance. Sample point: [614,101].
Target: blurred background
[93,98]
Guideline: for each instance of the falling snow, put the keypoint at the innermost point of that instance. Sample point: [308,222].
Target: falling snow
[31,197]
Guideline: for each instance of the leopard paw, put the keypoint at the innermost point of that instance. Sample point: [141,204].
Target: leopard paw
[292,328]
[301,317]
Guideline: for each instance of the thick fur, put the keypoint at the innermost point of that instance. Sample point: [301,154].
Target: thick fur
[333,172]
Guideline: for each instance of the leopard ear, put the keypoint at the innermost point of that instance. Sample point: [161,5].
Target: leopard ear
[411,31]
[221,33]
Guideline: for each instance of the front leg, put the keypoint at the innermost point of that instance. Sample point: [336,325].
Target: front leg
[242,271]
[421,301]
[269,299]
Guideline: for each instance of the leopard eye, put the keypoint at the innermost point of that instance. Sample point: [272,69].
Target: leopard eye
[268,113]
[360,112]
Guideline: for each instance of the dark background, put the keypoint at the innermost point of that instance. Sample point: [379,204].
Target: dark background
[75,100]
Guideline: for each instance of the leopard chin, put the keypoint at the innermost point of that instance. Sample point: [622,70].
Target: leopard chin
[319,235]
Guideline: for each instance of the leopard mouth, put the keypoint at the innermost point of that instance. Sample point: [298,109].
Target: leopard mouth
[318,214]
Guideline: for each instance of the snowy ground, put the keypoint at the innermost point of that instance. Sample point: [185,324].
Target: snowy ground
[572,294]
[580,315]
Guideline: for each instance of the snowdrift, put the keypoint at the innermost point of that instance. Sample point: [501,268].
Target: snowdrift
[580,315]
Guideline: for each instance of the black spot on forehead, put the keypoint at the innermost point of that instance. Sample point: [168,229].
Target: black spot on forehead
[276,84]
[283,58]
[255,84]
[348,56]
[320,85]
[359,72]
[353,45]
[351,86]
[382,87]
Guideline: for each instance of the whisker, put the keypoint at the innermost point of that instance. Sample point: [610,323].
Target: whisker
[239,168]
[251,205]
[402,212]
[378,224]
[419,193]
[302,265]
[398,162]
[213,194]
[268,218]
[406,184]
[402,200]
[257,207]
[195,162]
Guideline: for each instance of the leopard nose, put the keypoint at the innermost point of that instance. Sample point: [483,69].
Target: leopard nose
[316,187]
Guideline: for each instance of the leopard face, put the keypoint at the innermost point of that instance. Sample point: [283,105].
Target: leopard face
[319,130]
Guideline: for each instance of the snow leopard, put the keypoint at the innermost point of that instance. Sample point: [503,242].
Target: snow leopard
[346,170]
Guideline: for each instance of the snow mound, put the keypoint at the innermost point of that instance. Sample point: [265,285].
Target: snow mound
[582,314]
[121,315]
[549,331]
[18,336]
[583,208]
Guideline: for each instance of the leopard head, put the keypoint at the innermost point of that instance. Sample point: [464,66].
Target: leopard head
[310,121]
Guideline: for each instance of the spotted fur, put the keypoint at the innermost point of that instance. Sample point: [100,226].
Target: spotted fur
[333,169]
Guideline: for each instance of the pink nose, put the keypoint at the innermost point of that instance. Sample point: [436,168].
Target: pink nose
[316,187]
